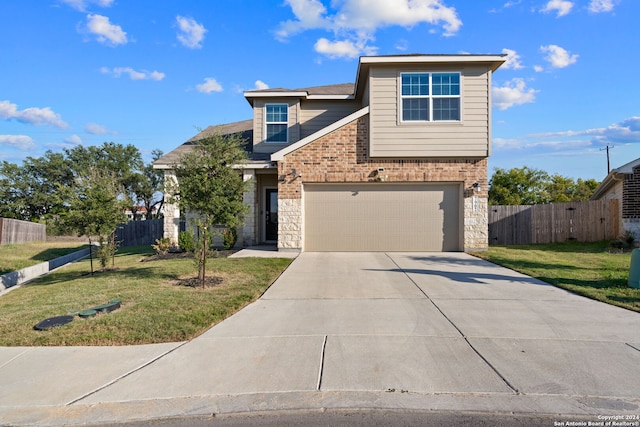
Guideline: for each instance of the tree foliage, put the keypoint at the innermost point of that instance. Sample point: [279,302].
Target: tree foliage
[95,208]
[527,186]
[31,191]
[209,186]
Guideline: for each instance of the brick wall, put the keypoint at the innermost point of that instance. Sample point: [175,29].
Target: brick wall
[631,194]
[336,158]
[341,156]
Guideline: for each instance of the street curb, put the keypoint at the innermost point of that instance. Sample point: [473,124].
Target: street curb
[587,407]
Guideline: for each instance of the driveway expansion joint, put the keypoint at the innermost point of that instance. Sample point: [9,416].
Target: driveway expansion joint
[321,369]
[476,351]
[126,374]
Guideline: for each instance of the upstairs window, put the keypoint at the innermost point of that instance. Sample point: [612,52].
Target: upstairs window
[427,97]
[277,122]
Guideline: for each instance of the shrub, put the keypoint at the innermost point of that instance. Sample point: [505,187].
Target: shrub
[624,242]
[229,238]
[106,250]
[162,246]
[186,241]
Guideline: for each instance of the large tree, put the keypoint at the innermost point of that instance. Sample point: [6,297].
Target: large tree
[122,161]
[30,192]
[209,186]
[527,186]
[147,187]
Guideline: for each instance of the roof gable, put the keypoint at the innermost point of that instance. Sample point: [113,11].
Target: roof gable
[245,128]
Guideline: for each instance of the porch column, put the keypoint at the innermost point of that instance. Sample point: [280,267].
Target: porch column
[171,211]
[249,198]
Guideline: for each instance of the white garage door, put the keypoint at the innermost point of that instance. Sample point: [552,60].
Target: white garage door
[382,217]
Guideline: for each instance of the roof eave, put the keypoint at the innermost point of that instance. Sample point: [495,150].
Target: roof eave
[609,181]
[495,60]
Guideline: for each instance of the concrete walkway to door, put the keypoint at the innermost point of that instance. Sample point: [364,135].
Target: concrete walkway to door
[417,331]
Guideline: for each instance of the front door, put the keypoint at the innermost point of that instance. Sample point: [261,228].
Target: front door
[271,217]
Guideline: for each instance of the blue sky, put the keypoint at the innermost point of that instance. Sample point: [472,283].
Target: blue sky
[150,73]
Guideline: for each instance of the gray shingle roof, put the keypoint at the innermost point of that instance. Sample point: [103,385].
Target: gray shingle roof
[336,89]
[244,127]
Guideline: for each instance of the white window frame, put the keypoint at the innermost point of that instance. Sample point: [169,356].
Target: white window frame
[430,97]
[267,123]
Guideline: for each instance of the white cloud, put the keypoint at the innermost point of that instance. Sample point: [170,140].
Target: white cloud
[81,5]
[354,22]
[561,7]
[210,85]
[309,14]
[33,115]
[625,132]
[402,45]
[105,31]
[513,60]
[96,129]
[73,139]
[21,142]
[133,74]
[573,142]
[600,6]
[260,85]
[538,68]
[337,49]
[558,57]
[512,93]
[190,33]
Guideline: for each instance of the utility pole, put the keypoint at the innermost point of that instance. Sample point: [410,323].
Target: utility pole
[608,163]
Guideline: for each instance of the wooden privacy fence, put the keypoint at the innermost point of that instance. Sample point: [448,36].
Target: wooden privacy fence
[16,231]
[559,222]
[135,233]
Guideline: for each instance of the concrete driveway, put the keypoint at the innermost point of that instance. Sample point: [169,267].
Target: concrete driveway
[369,330]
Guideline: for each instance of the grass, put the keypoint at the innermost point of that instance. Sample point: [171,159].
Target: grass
[154,308]
[587,269]
[18,256]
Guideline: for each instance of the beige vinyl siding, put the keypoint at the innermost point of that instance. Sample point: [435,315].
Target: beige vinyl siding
[382,217]
[392,138]
[318,114]
[259,145]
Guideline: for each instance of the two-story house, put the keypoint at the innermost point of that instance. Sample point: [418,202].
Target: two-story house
[396,161]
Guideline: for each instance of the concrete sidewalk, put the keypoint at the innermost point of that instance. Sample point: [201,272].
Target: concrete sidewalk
[420,331]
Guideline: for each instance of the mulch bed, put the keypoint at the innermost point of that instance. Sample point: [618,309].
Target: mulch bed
[194,282]
[174,255]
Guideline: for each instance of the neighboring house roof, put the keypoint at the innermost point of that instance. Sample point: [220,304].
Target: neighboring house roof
[613,177]
[245,128]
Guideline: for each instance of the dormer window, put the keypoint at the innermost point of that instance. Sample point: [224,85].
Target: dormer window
[277,122]
[430,97]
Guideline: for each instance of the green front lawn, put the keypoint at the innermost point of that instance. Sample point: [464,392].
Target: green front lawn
[587,269]
[155,308]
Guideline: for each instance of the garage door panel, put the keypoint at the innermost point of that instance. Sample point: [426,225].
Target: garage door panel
[382,217]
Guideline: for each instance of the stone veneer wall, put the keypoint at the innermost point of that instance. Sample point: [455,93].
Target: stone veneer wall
[247,231]
[341,156]
[171,212]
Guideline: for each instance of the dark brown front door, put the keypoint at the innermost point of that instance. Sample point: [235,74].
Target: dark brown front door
[271,226]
